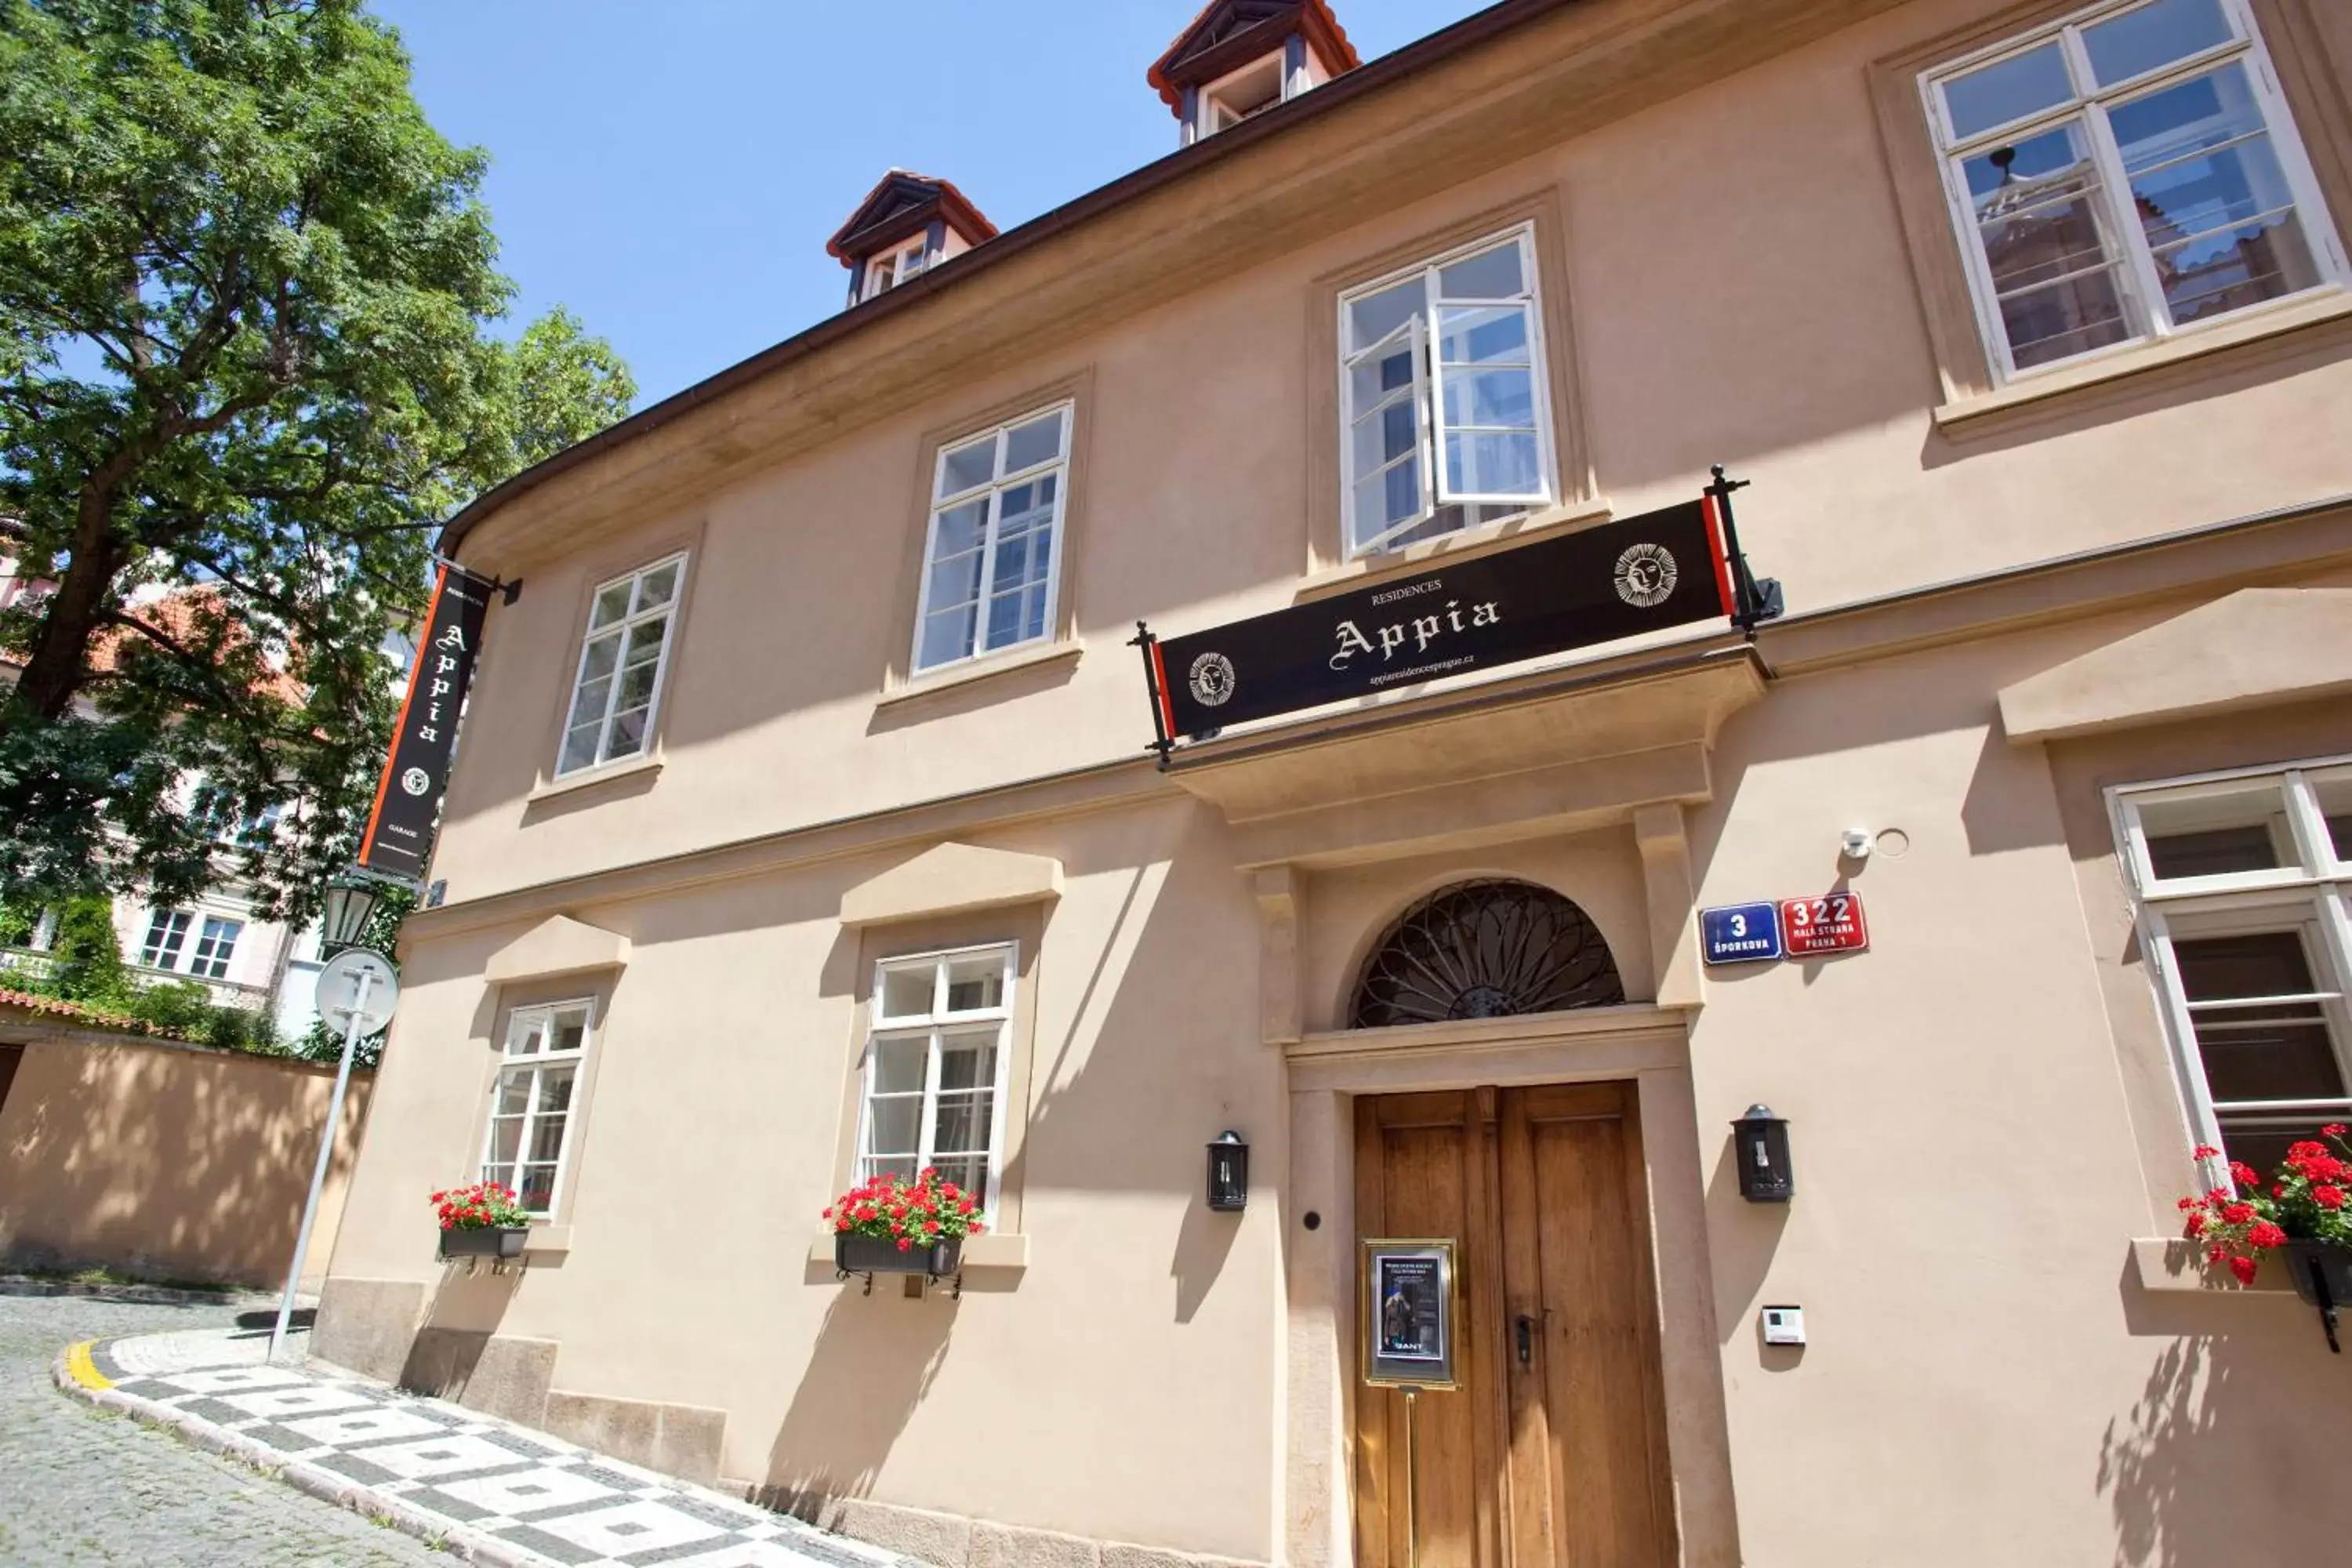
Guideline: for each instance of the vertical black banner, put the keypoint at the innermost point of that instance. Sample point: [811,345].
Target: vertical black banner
[408,797]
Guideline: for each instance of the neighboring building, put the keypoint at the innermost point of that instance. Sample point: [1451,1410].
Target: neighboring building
[220,938]
[805,826]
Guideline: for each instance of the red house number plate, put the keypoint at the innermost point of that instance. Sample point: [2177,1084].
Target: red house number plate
[1832,923]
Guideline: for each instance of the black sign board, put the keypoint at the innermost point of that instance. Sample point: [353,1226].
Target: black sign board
[408,796]
[1665,568]
[1408,1313]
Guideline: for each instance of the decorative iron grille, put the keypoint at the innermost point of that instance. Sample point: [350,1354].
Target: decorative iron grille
[1486,950]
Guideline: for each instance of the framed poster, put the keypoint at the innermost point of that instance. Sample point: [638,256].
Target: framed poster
[1411,1302]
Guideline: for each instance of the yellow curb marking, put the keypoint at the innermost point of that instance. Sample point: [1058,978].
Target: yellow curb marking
[84,1369]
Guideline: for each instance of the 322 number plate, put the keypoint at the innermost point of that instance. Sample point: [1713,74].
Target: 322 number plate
[1831,924]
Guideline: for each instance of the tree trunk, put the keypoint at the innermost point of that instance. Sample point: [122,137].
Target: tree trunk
[70,617]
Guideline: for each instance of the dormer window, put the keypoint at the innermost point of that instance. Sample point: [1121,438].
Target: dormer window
[907,224]
[1241,57]
[1250,91]
[884,273]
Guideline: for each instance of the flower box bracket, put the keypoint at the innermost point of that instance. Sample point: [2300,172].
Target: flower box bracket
[954,1282]
[2322,1272]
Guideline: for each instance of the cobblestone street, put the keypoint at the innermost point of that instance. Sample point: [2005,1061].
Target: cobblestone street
[81,1487]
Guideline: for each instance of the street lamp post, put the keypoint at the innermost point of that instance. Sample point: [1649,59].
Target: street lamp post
[361,985]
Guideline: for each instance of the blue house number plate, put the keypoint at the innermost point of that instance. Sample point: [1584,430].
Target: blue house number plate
[1740,933]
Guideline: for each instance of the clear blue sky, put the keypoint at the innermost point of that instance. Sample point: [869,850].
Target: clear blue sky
[671,171]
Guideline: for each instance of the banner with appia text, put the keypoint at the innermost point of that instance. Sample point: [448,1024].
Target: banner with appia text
[408,797]
[1566,590]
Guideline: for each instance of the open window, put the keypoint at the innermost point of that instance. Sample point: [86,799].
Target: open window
[1446,422]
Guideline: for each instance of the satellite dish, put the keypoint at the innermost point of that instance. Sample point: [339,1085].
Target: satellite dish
[356,982]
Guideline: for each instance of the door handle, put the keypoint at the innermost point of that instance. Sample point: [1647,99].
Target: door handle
[1527,1338]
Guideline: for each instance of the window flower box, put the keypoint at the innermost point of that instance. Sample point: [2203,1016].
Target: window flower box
[485,1241]
[2306,1212]
[881,1255]
[481,1221]
[891,1226]
[2314,1264]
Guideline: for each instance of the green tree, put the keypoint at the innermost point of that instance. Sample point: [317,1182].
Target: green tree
[247,359]
[88,959]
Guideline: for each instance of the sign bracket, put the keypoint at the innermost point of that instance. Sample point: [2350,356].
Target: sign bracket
[507,592]
[1759,599]
[1155,680]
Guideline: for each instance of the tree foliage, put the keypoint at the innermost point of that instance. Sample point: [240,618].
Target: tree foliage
[247,359]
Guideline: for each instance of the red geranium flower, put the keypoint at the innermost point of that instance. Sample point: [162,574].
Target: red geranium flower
[2243,1267]
[2336,1130]
[2265,1234]
[2237,1214]
[2327,1197]
[2204,1151]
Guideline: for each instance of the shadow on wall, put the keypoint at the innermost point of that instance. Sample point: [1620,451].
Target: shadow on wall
[170,1163]
[1745,1236]
[867,1372]
[2239,1421]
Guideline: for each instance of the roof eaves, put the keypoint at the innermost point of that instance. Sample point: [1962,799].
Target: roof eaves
[1470,32]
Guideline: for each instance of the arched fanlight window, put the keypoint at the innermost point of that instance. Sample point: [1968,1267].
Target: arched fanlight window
[1486,950]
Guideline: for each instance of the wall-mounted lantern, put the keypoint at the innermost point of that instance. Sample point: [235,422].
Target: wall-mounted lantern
[1761,1143]
[1228,1172]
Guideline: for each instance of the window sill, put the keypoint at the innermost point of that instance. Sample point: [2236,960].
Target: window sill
[1485,539]
[546,1237]
[2171,1263]
[961,675]
[995,1250]
[588,778]
[1962,415]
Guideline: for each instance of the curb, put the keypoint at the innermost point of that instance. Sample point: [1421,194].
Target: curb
[133,1295]
[76,1375]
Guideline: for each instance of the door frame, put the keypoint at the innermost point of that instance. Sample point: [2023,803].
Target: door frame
[1645,1046]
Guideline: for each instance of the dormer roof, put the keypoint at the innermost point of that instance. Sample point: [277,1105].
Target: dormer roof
[901,205]
[1230,34]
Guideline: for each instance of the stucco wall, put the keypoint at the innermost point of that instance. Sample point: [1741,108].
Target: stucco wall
[1970,1168]
[168,1161]
[1739,280]
[1143,1333]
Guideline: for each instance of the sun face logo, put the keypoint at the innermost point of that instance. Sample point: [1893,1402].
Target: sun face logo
[1212,679]
[1645,576]
[415,780]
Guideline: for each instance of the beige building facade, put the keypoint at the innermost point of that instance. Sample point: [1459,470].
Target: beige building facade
[806,826]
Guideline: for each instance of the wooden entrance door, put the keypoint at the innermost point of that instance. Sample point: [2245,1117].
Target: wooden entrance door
[1552,1453]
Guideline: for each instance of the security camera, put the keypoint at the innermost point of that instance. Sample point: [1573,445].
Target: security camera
[1855,843]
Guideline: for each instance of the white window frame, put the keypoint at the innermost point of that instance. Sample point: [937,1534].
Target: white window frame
[1429,390]
[1222,116]
[591,633]
[935,1025]
[2311,894]
[511,1065]
[993,489]
[2138,285]
[892,267]
[165,956]
[220,952]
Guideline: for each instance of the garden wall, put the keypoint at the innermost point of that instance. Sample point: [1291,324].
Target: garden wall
[160,1159]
